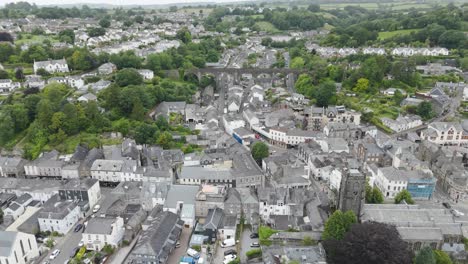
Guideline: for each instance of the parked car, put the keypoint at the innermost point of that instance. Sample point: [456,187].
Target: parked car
[447,205]
[78,227]
[254,235]
[230,252]
[177,245]
[54,254]
[254,244]
[457,213]
[96,208]
[229,258]
[81,243]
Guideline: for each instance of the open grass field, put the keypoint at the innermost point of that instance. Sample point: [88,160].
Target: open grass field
[376,5]
[267,26]
[388,34]
[34,39]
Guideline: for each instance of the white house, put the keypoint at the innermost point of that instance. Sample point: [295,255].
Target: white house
[146,74]
[232,122]
[7,86]
[18,206]
[402,123]
[17,247]
[107,170]
[390,181]
[58,215]
[51,66]
[87,98]
[103,230]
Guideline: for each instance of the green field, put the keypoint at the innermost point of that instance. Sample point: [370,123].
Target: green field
[388,34]
[34,39]
[267,26]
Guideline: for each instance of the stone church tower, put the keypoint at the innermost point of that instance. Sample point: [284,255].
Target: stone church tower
[352,191]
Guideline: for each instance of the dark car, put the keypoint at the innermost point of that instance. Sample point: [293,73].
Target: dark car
[230,252]
[254,235]
[74,251]
[78,227]
[447,205]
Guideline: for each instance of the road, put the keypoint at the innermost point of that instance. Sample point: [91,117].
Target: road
[175,256]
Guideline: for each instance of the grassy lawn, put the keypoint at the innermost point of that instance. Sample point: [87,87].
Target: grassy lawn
[342,5]
[404,6]
[388,34]
[34,39]
[267,26]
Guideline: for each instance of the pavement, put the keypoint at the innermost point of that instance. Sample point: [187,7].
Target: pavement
[175,256]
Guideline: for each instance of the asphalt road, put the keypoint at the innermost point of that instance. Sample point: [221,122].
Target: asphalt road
[175,256]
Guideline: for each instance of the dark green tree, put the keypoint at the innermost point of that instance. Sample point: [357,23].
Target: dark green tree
[425,256]
[104,23]
[404,195]
[259,151]
[424,110]
[127,77]
[184,35]
[368,243]
[67,36]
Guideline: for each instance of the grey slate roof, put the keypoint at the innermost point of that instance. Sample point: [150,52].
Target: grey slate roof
[181,193]
[100,225]
[160,236]
[54,208]
[6,242]
[214,218]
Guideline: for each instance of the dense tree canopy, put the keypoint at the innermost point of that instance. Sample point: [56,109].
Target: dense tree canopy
[404,195]
[368,243]
[425,256]
[338,224]
[260,151]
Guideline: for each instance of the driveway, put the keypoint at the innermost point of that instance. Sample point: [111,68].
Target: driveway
[175,256]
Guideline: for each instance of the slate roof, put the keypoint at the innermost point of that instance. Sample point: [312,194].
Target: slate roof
[54,208]
[100,225]
[7,239]
[160,237]
[214,218]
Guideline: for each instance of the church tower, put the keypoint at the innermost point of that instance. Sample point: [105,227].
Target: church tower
[352,191]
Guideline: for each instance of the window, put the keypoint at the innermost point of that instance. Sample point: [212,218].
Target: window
[22,247]
[29,242]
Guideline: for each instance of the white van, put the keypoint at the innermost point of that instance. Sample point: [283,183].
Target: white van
[193,253]
[228,243]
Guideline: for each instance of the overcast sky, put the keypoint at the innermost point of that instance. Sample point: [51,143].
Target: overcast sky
[116,2]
